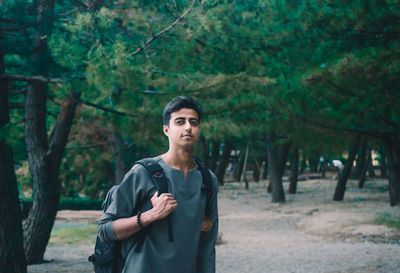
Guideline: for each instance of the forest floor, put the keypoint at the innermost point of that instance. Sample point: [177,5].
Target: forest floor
[308,233]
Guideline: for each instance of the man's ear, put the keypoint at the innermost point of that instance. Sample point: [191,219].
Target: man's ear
[166,130]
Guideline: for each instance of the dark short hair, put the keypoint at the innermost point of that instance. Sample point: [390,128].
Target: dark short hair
[177,104]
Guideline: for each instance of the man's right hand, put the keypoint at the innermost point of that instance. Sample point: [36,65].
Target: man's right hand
[163,205]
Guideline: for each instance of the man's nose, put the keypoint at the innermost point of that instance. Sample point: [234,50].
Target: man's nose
[188,126]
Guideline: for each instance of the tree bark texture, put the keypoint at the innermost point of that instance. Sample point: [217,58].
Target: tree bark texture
[44,162]
[283,156]
[392,147]
[204,149]
[116,147]
[364,170]
[265,170]
[243,176]
[361,157]
[294,170]
[313,162]
[371,170]
[256,170]
[278,195]
[383,166]
[214,155]
[303,163]
[239,166]
[12,257]
[44,156]
[344,175]
[223,161]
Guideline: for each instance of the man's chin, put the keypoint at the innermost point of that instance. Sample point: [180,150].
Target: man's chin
[188,144]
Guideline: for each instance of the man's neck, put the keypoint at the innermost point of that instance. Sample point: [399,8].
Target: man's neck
[179,159]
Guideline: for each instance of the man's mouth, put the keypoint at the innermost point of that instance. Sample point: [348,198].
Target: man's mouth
[188,135]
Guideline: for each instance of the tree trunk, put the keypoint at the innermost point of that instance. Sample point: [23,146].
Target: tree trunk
[223,162]
[294,167]
[12,257]
[303,163]
[214,155]
[265,170]
[364,170]
[44,156]
[239,166]
[204,150]
[116,147]
[344,175]
[283,156]
[256,171]
[360,162]
[392,147]
[44,163]
[243,176]
[371,170]
[278,195]
[314,161]
[383,162]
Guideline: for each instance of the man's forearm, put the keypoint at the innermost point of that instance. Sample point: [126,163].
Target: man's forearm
[125,227]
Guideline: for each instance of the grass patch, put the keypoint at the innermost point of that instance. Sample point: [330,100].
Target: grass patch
[388,220]
[73,235]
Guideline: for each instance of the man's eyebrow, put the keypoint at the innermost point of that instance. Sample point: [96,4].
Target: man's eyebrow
[185,118]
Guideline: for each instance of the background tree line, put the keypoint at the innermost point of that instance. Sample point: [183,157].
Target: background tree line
[83,84]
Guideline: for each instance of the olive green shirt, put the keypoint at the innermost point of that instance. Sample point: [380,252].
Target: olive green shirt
[192,250]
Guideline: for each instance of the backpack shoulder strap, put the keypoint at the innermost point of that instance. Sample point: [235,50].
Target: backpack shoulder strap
[158,176]
[205,172]
[207,181]
[156,172]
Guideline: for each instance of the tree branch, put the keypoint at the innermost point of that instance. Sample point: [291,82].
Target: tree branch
[69,12]
[35,78]
[86,146]
[17,92]
[51,114]
[105,109]
[121,26]
[164,30]
[80,4]
[16,105]
[345,91]
[157,92]
[5,20]
[319,126]
[22,78]
[350,93]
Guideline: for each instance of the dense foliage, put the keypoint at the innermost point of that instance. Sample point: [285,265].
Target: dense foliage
[315,72]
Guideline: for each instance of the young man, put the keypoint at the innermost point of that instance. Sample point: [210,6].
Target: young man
[192,250]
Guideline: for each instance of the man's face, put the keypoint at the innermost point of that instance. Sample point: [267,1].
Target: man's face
[183,129]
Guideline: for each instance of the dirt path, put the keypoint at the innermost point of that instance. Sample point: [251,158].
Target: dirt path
[310,233]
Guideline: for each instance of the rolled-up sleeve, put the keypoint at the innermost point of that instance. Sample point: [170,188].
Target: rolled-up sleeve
[206,257]
[125,200]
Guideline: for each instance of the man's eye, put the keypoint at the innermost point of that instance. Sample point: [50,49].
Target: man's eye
[194,123]
[179,122]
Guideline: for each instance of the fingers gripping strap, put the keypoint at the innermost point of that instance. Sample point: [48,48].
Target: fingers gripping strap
[157,175]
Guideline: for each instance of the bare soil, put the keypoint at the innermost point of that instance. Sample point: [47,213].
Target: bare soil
[308,233]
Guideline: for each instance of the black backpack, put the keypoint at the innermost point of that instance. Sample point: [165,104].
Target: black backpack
[107,256]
